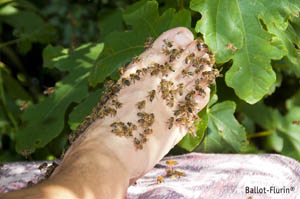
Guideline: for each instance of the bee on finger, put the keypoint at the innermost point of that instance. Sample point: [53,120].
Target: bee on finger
[151,95]
[186,73]
[136,59]
[180,88]
[168,43]
[116,103]
[148,43]
[137,143]
[190,95]
[170,122]
[159,180]
[125,82]
[148,131]
[43,166]
[141,105]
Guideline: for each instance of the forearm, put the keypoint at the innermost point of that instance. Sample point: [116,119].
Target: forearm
[88,176]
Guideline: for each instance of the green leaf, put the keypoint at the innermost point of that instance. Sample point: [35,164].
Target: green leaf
[290,133]
[45,120]
[225,134]
[84,109]
[293,101]
[110,21]
[244,25]
[120,47]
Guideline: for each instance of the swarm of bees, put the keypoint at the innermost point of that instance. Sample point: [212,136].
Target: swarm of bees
[184,113]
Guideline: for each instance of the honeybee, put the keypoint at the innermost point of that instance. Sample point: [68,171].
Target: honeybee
[177,112]
[134,77]
[199,69]
[189,58]
[23,106]
[171,162]
[137,143]
[151,119]
[141,105]
[136,59]
[190,95]
[110,111]
[185,73]
[131,126]
[151,95]
[148,131]
[231,47]
[108,84]
[180,88]
[168,43]
[121,70]
[148,43]
[142,114]
[49,91]
[180,120]
[144,139]
[165,51]
[296,122]
[159,180]
[125,82]
[170,122]
[179,174]
[43,166]
[171,102]
[199,45]
[50,169]
[116,103]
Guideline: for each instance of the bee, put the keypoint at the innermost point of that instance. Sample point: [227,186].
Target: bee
[50,169]
[199,45]
[177,112]
[171,162]
[23,106]
[49,91]
[151,119]
[159,180]
[189,58]
[171,102]
[296,122]
[173,55]
[138,144]
[122,70]
[43,166]
[144,139]
[136,59]
[142,122]
[179,174]
[108,84]
[134,77]
[180,88]
[125,82]
[142,114]
[131,126]
[190,95]
[166,51]
[139,72]
[199,69]
[204,46]
[141,105]
[118,131]
[168,43]
[151,95]
[231,47]
[101,114]
[180,120]
[148,131]
[148,43]
[116,103]
[110,111]
[170,122]
[116,88]
[185,73]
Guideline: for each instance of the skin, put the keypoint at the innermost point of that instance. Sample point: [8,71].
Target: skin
[100,164]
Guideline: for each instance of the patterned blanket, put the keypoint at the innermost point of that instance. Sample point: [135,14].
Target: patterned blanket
[194,176]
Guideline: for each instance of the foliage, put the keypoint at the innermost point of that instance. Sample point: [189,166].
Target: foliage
[254,108]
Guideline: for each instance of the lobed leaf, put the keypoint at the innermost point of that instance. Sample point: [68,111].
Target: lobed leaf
[45,120]
[245,26]
[224,134]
